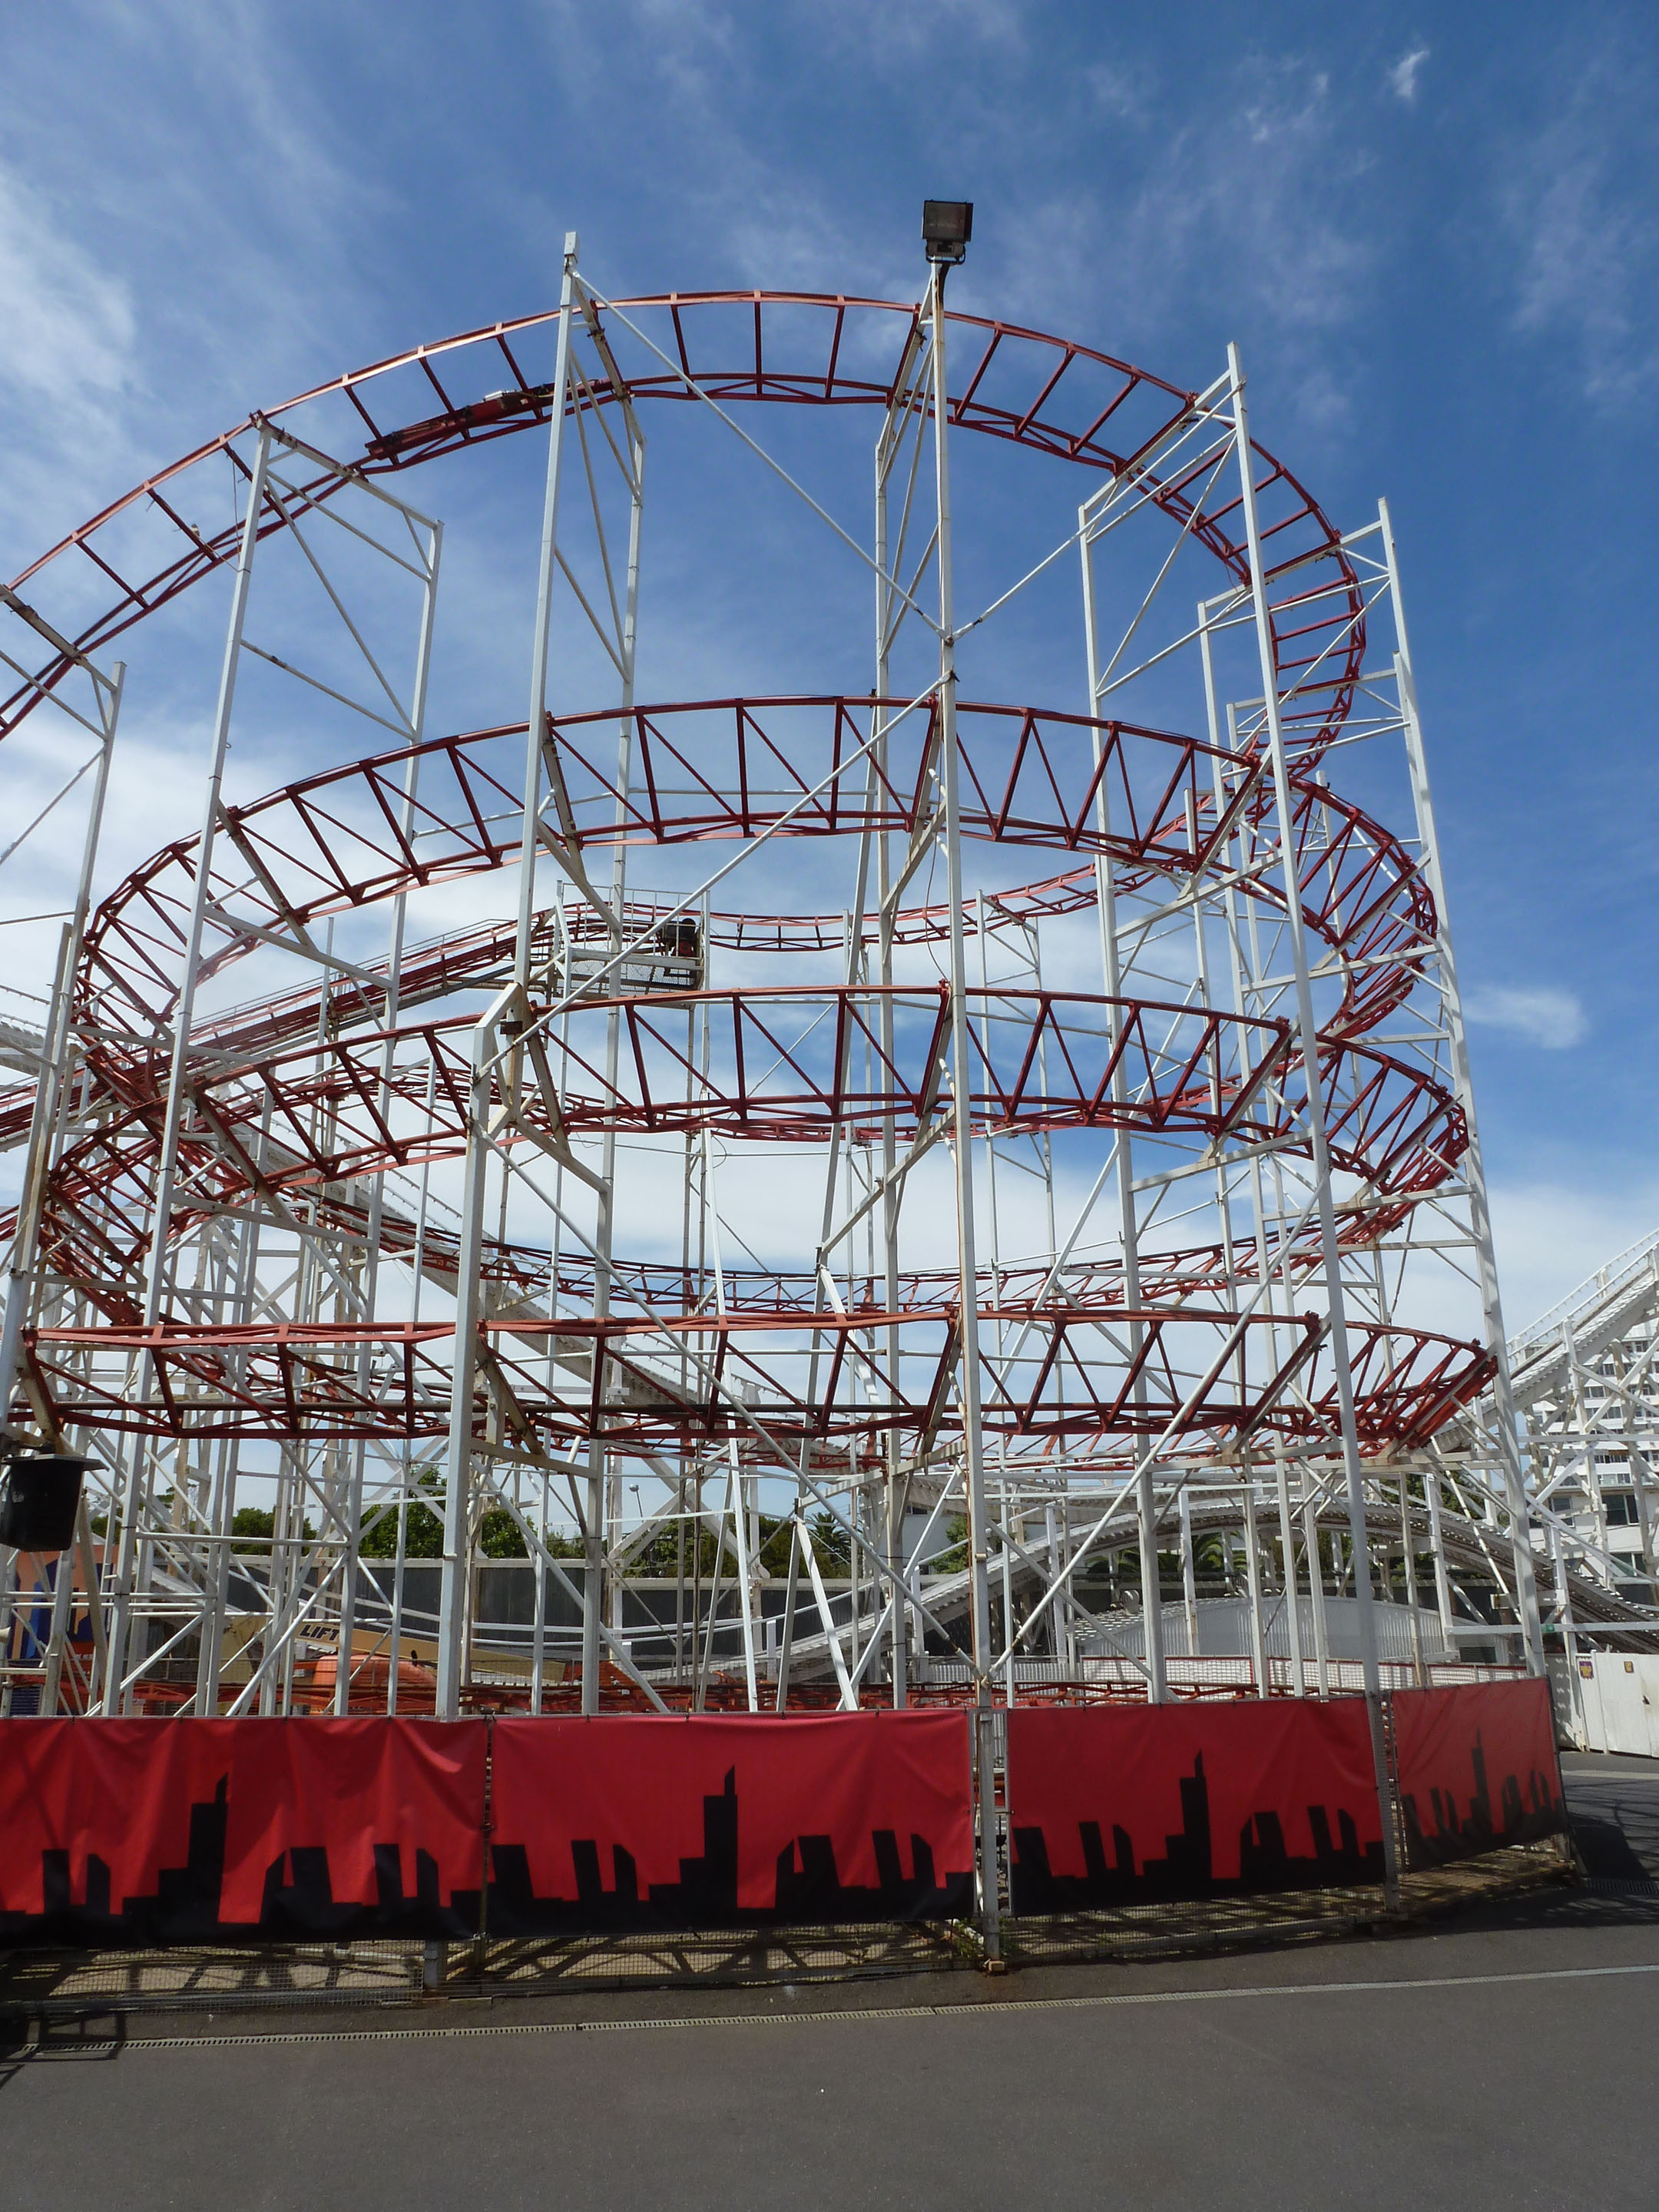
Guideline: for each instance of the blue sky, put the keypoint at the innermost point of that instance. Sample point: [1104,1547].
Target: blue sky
[1433,231]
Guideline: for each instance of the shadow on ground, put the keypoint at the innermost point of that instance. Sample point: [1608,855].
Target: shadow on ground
[1612,1804]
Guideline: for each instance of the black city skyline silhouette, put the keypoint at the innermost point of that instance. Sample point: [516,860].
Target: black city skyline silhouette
[184,1905]
[298,1904]
[1525,1820]
[706,1894]
[1187,1870]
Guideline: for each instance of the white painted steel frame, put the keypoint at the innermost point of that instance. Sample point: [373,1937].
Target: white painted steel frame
[1234,938]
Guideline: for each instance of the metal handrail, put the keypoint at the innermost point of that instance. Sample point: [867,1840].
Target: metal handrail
[1584,1299]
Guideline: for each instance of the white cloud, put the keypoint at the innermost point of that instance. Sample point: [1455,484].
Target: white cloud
[1402,77]
[939,27]
[1549,1238]
[1118,91]
[1577,199]
[1247,206]
[67,333]
[65,324]
[1545,1016]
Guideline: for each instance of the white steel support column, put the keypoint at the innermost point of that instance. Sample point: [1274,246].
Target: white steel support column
[279,505]
[1316,1599]
[49,1097]
[469,1311]
[571,391]
[888,445]
[469,1289]
[1503,1414]
[545,579]
[1188,1569]
[1287,1574]
[1236,940]
[961,1076]
[1443,1596]
[183,1010]
[21,1269]
[1313,1074]
[344,1667]
[1151,1594]
[1260,1660]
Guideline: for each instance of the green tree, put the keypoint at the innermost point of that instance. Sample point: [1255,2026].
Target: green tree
[954,1556]
[423,1537]
[499,1536]
[832,1547]
[256,1521]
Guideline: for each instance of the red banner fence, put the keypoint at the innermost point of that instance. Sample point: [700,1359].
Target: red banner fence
[1476,1768]
[211,1831]
[153,1831]
[1144,1804]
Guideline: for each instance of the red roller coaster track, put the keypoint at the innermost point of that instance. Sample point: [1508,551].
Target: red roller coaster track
[270,1077]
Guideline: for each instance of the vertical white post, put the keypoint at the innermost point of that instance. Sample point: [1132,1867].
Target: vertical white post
[20,1272]
[1503,1415]
[468,1289]
[1442,1579]
[353,1480]
[1151,1594]
[1563,1595]
[1242,1004]
[1262,1664]
[546,574]
[1321,1634]
[1189,1571]
[539,1616]
[962,1144]
[55,1058]
[1313,1075]
[1292,1595]
[1409,1541]
[887,447]
[605,1225]
[167,1167]
[734,1501]
[468,1310]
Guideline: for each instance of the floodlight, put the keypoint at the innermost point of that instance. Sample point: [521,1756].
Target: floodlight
[946,227]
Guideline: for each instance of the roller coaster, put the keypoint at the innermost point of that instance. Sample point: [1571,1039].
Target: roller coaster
[1026,1182]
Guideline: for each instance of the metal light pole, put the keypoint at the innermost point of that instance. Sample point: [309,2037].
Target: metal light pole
[944,252]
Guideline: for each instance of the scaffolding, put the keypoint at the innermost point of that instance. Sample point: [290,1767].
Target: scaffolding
[427,1319]
[1586,1389]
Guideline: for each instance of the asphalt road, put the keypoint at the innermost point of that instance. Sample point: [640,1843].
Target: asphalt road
[1507,2061]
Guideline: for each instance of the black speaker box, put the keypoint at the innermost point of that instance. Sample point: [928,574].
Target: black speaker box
[37,1498]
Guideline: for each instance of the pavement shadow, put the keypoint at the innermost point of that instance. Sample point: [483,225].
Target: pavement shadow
[90,2038]
[1613,1810]
[1613,1806]
[1606,1850]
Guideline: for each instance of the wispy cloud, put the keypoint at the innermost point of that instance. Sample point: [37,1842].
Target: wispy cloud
[67,328]
[1545,1016]
[1119,91]
[1248,197]
[1402,77]
[1578,200]
[164,262]
[1550,1236]
[65,323]
[880,29]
